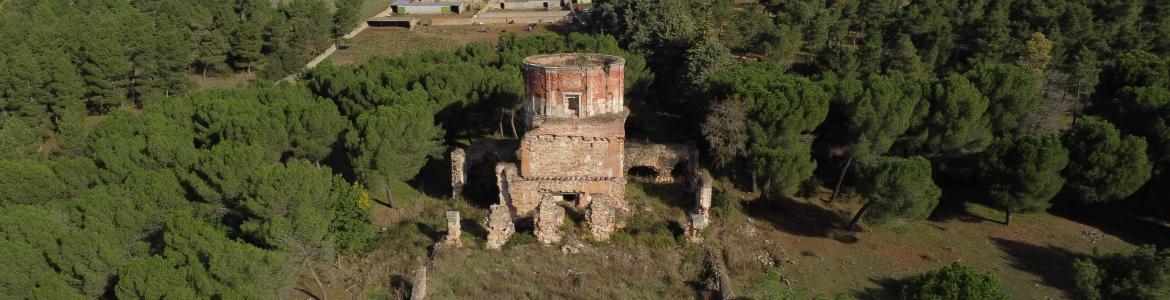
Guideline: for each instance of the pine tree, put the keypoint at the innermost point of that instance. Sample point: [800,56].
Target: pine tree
[392,143]
[1011,92]
[958,122]
[1104,165]
[1037,55]
[1023,173]
[897,188]
[18,140]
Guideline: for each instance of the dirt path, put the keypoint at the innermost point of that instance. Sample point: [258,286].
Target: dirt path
[333,48]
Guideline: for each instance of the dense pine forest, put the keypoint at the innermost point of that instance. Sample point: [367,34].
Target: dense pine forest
[118,179]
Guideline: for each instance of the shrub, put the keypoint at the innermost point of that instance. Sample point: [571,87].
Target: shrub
[1141,274]
[520,239]
[953,282]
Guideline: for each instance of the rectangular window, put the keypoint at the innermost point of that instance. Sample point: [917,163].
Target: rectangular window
[574,103]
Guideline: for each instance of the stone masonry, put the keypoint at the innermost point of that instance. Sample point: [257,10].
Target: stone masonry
[600,217]
[548,220]
[454,229]
[572,151]
[574,142]
[500,226]
[458,171]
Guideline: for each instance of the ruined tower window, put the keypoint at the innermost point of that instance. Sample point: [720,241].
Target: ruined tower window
[574,103]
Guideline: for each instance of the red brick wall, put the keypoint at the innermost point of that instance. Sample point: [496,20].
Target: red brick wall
[600,88]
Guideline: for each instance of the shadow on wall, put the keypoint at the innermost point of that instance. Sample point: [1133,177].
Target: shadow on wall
[1052,264]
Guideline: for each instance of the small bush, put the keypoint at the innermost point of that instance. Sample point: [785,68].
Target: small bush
[953,282]
[520,239]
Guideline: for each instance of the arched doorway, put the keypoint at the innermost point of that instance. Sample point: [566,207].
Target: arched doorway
[642,173]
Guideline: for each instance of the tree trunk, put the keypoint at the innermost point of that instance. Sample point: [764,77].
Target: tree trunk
[515,134]
[841,179]
[1076,108]
[857,217]
[324,294]
[500,122]
[1007,217]
[204,71]
[754,186]
[389,196]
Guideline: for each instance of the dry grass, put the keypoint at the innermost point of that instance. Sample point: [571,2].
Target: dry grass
[393,40]
[771,248]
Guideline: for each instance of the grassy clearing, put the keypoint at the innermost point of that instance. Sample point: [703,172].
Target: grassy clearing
[371,8]
[392,40]
[772,249]
[218,81]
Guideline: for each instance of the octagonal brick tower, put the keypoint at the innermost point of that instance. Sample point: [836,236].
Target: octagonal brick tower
[574,116]
[574,119]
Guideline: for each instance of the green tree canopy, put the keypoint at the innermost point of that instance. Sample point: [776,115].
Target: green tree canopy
[200,260]
[18,140]
[1023,173]
[1104,165]
[955,281]
[1010,90]
[392,143]
[780,108]
[959,122]
[897,188]
[1141,274]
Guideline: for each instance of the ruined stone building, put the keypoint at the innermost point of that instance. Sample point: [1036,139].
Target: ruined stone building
[573,149]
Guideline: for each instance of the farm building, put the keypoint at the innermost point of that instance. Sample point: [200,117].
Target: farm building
[530,4]
[425,7]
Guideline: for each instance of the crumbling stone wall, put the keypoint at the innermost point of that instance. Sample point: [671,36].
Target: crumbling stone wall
[701,184]
[480,151]
[454,229]
[548,221]
[662,158]
[601,218]
[458,173]
[500,226]
[524,195]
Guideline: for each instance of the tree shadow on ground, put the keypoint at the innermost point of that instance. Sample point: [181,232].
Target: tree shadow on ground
[953,204]
[1053,264]
[1116,221]
[672,194]
[799,217]
[473,227]
[434,179]
[430,231]
[887,288]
